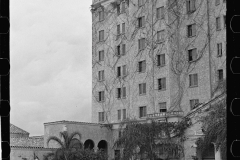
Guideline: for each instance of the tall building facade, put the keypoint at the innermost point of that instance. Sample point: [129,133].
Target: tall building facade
[155,57]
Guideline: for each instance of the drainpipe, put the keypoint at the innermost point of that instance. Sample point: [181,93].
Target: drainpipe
[209,48]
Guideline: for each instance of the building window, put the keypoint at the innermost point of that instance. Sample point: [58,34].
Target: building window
[121,93]
[218,23]
[142,111]
[190,6]
[101,55]
[161,60]
[117,155]
[194,103]
[142,89]
[140,3]
[141,22]
[118,93]
[101,96]
[123,49]
[100,116]
[224,1]
[142,66]
[118,71]
[160,13]
[192,55]
[118,9]
[160,36]
[123,7]
[193,80]
[123,28]
[101,35]
[141,44]
[101,15]
[118,50]
[219,49]
[191,30]
[119,114]
[124,70]
[118,30]
[217,2]
[162,84]
[162,107]
[124,114]
[101,75]
[220,75]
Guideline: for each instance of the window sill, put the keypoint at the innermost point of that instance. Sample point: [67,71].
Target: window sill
[219,29]
[162,89]
[143,94]
[101,20]
[141,72]
[192,61]
[193,86]
[160,41]
[190,12]
[160,66]
[219,55]
[101,101]
[144,117]
[192,36]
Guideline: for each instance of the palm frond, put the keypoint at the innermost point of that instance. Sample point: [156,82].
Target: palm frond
[56,139]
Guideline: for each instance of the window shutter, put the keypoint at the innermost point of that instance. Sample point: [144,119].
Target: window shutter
[194,54]
[143,21]
[138,67]
[116,92]
[194,30]
[123,49]
[190,81]
[103,95]
[145,111]
[140,88]
[162,13]
[193,5]
[163,59]
[196,79]
[144,66]
[144,88]
[164,83]
[123,28]
[124,70]
[124,92]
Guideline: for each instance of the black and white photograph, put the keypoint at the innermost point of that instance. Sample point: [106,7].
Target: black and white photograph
[118,80]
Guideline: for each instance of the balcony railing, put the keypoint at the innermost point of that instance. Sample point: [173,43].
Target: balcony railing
[165,114]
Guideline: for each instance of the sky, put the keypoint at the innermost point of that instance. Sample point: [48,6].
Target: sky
[50,58]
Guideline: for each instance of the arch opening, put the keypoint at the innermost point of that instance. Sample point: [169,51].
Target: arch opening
[89,144]
[102,145]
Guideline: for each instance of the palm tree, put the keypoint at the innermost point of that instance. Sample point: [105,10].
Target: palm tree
[68,147]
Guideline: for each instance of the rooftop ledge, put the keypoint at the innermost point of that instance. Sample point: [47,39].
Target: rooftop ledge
[166,114]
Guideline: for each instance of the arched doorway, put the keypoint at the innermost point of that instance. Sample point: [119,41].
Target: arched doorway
[102,145]
[89,144]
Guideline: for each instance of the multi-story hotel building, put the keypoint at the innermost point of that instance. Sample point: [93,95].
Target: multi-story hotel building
[153,57]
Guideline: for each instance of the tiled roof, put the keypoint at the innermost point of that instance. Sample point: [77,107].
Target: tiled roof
[16,130]
[76,122]
[26,141]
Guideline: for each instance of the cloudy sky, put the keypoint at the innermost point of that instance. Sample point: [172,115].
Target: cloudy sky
[50,54]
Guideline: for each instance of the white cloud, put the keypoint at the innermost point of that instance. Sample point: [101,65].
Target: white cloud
[50,52]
